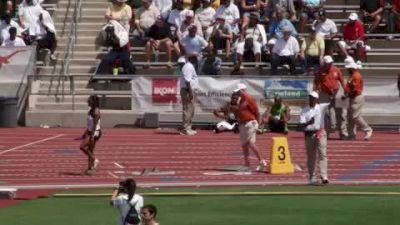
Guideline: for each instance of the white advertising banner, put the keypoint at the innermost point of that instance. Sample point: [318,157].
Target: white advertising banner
[161,94]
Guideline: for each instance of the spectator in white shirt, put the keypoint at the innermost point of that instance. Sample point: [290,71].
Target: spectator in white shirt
[145,17]
[285,52]
[164,6]
[231,13]
[188,22]
[29,12]
[177,14]
[5,25]
[205,15]
[46,37]
[326,28]
[13,40]
[253,38]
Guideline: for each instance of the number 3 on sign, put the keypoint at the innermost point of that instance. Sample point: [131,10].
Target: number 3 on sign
[282,154]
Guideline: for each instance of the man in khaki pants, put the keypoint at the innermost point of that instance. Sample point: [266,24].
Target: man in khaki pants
[188,85]
[327,83]
[312,120]
[353,91]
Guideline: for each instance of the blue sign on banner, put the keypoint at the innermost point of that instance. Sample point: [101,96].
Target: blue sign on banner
[287,89]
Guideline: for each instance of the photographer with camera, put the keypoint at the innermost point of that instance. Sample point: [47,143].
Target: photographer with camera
[128,203]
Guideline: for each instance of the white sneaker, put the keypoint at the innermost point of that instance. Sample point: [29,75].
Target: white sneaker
[261,165]
[188,132]
[53,57]
[368,135]
[95,164]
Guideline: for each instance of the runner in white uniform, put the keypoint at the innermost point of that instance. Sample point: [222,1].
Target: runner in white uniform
[92,134]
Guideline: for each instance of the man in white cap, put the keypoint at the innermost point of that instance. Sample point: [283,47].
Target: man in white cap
[353,37]
[188,85]
[312,121]
[327,83]
[246,112]
[354,91]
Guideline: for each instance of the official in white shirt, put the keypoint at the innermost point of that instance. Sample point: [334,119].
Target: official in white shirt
[188,85]
[13,40]
[312,120]
[285,52]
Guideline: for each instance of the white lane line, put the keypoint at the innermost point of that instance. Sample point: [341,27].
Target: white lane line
[111,174]
[118,165]
[31,143]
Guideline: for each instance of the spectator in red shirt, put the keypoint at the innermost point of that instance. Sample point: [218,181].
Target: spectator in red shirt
[353,37]
[372,10]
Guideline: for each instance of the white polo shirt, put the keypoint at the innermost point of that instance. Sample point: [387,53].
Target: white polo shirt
[188,74]
[231,14]
[18,42]
[325,28]
[205,16]
[317,112]
[286,48]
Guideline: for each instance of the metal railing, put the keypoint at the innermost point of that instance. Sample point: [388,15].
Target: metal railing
[69,52]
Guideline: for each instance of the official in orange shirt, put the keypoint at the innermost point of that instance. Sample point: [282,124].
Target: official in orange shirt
[327,83]
[354,91]
[247,113]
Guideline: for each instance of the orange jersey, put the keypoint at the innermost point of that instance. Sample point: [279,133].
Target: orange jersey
[355,84]
[328,82]
[248,108]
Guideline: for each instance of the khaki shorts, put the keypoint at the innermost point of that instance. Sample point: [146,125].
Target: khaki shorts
[248,132]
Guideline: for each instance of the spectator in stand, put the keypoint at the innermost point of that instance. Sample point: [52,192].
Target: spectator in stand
[5,26]
[160,37]
[222,35]
[248,7]
[372,12]
[188,22]
[145,17]
[46,36]
[327,29]
[276,117]
[354,91]
[29,12]
[118,57]
[394,20]
[253,38]
[285,52]
[327,82]
[312,51]
[231,13]
[275,28]
[309,10]
[164,6]
[9,8]
[211,63]
[193,44]
[205,15]
[273,6]
[120,11]
[13,40]
[353,37]
[177,14]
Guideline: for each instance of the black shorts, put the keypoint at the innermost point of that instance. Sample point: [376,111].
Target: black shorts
[97,134]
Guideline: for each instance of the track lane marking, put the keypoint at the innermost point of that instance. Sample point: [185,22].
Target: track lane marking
[32,143]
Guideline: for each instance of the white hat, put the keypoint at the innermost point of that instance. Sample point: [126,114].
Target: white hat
[353,16]
[189,13]
[240,86]
[314,94]
[328,59]
[182,59]
[350,63]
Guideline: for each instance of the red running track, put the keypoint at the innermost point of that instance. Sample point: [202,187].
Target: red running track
[38,158]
